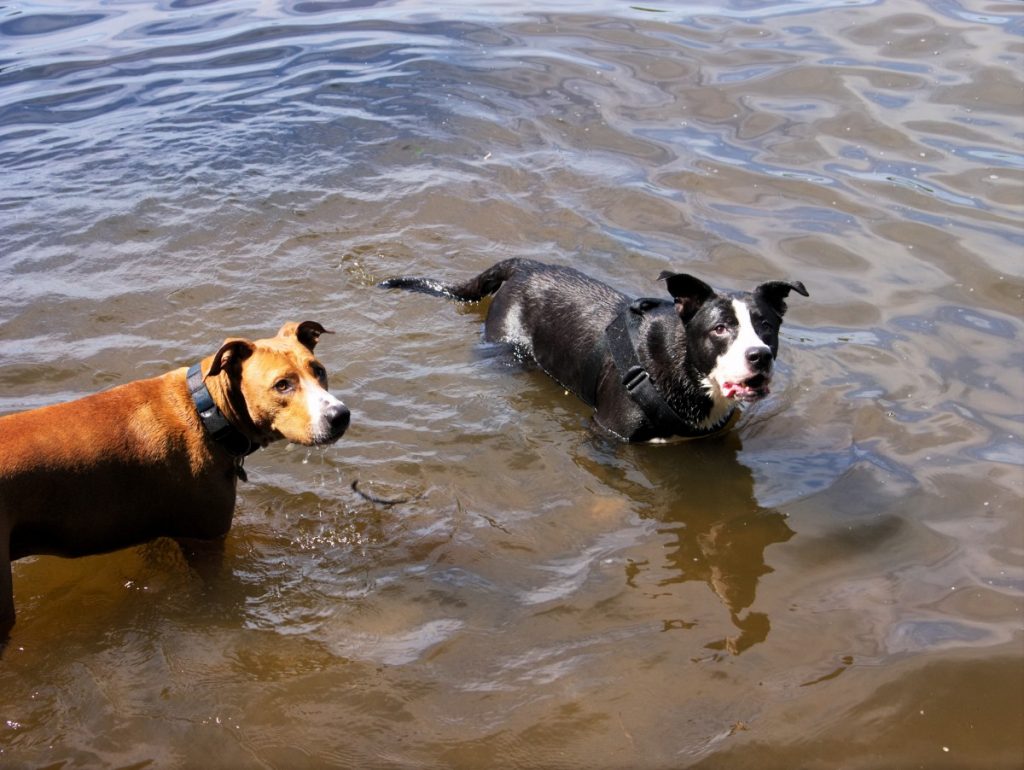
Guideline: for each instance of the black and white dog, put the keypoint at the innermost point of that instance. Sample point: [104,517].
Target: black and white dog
[651,368]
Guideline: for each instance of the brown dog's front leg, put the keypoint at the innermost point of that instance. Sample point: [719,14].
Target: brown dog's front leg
[204,557]
[6,589]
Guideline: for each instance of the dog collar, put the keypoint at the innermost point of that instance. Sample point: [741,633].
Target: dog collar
[223,432]
[622,335]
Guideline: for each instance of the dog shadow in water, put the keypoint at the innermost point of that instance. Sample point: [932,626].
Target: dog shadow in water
[703,497]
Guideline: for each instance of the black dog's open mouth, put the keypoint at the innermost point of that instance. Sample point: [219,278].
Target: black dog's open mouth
[751,389]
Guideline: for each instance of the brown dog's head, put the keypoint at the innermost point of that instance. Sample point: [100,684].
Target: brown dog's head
[276,388]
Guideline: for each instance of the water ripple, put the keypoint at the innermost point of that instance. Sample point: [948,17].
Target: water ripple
[46,23]
[175,173]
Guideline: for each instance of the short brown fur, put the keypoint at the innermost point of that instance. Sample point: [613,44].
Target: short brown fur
[134,462]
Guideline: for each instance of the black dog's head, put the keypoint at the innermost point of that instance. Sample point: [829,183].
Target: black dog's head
[731,339]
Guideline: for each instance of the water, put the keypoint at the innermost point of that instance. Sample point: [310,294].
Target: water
[837,583]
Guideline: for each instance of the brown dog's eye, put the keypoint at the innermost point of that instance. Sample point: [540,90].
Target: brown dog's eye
[319,372]
[283,385]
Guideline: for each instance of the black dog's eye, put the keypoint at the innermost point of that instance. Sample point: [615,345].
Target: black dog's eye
[720,330]
[283,385]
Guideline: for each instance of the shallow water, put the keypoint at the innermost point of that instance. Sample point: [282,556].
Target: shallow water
[837,583]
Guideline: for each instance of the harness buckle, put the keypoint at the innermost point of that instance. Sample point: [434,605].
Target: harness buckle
[634,378]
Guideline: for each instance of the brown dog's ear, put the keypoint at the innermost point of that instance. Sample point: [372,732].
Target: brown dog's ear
[233,351]
[688,292]
[774,293]
[308,332]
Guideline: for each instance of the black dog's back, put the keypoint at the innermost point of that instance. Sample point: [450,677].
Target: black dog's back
[546,287]
[554,315]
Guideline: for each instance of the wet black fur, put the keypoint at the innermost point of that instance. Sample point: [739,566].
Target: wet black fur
[562,315]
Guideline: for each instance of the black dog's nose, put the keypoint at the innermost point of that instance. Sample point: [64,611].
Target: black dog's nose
[759,357]
[338,417]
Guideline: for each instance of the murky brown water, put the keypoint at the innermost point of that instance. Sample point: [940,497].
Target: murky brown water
[837,584]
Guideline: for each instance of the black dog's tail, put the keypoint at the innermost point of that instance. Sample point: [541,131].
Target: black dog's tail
[488,282]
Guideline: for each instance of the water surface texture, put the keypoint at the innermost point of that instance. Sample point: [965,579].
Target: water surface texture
[838,583]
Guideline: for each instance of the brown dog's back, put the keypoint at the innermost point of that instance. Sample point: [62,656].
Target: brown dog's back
[120,456]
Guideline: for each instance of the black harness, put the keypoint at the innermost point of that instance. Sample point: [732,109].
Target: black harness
[622,337]
[223,432]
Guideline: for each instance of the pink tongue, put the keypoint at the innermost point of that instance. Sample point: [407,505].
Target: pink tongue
[730,389]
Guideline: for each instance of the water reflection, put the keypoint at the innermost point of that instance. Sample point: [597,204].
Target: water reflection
[714,530]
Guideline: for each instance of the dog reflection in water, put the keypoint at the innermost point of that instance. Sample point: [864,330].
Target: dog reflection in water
[717,533]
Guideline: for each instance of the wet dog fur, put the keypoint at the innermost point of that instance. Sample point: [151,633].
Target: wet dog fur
[705,351]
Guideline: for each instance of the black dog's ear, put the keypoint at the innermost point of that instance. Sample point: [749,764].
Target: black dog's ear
[774,293]
[688,292]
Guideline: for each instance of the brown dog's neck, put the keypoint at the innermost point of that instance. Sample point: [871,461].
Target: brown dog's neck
[227,397]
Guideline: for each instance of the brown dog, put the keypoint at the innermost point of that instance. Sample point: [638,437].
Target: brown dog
[156,457]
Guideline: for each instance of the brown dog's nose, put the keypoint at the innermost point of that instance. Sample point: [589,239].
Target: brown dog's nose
[338,417]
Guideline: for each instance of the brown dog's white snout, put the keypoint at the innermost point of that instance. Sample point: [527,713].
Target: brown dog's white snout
[337,417]
[329,418]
